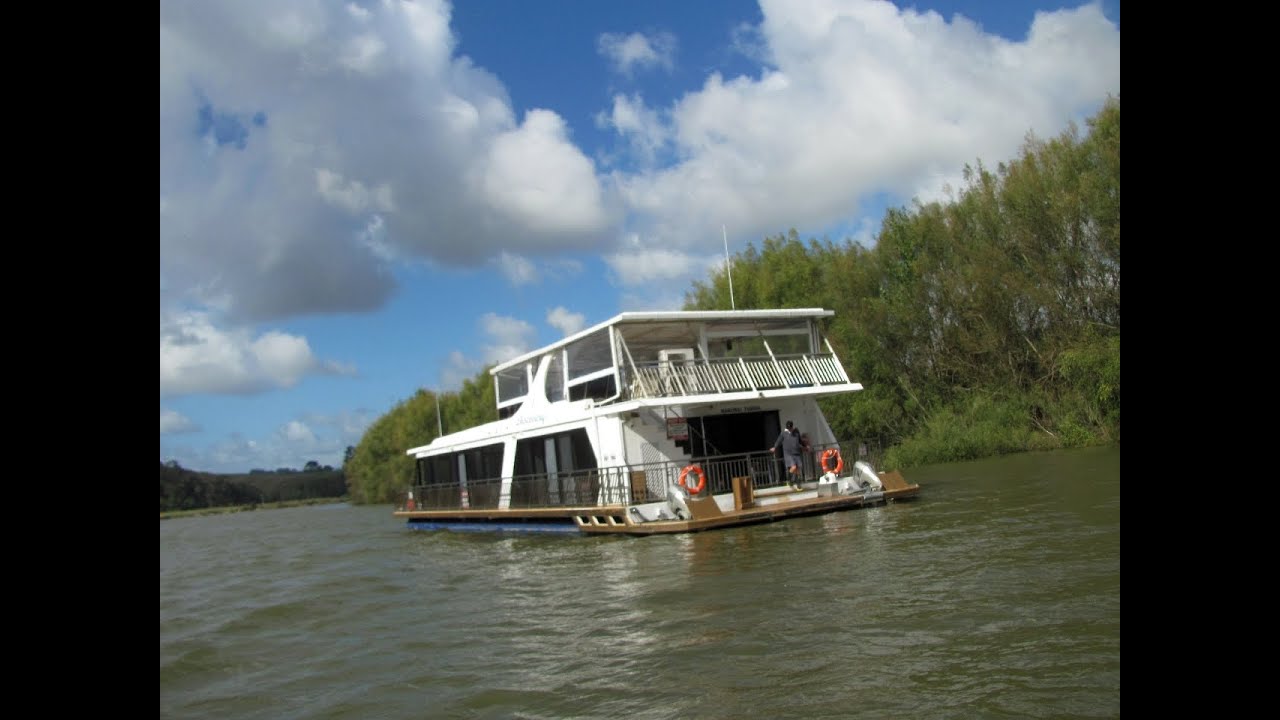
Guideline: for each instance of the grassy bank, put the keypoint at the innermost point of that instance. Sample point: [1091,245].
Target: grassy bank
[245,508]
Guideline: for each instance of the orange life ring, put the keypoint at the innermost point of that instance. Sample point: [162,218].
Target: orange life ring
[826,455]
[702,479]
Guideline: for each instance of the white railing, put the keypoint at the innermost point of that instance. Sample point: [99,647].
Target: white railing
[727,375]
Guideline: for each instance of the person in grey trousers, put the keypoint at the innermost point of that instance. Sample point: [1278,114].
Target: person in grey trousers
[789,443]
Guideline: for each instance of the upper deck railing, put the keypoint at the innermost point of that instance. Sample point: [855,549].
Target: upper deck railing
[727,375]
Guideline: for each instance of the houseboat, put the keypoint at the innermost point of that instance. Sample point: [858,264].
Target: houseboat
[651,423]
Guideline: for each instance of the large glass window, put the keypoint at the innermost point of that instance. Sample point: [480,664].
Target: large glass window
[555,378]
[599,388]
[512,383]
[589,354]
[484,463]
[572,452]
[441,470]
[555,470]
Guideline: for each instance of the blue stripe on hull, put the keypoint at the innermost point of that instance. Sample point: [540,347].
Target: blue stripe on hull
[514,527]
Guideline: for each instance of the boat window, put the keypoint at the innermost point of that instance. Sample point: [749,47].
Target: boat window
[508,411]
[439,469]
[512,384]
[744,347]
[789,344]
[484,463]
[555,379]
[572,452]
[600,388]
[589,354]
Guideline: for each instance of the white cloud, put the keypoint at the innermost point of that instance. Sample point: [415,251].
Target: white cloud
[352,196]
[540,181]
[363,53]
[288,130]
[658,279]
[638,266]
[566,322]
[197,357]
[859,99]
[627,53]
[507,337]
[173,423]
[517,270]
[642,128]
[298,433]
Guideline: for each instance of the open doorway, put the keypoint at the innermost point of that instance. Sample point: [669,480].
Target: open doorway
[733,433]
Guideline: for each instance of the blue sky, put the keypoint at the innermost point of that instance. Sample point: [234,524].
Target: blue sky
[361,199]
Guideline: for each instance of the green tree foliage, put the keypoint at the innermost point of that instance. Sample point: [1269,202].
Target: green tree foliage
[1006,297]
[379,468]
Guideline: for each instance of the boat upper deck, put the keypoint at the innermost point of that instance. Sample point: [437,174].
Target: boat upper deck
[655,355]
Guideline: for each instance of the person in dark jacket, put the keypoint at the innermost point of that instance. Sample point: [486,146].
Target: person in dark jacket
[789,443]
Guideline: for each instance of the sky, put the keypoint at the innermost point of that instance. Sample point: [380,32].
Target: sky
[362,199]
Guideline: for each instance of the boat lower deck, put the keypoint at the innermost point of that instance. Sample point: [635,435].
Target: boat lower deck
[706,513]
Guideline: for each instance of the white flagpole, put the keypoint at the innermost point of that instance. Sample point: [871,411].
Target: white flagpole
[439,425]
[728,268]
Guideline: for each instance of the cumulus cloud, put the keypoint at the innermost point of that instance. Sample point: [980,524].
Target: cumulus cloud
[198,357]
[628,53]
[276,157]
[173,423]
[541,181]
[642,128]
[566,322]
[638,266]
[517,270]
[506,337]
[297,432]
[857,98]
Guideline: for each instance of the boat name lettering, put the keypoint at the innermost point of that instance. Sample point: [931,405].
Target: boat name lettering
[748,408]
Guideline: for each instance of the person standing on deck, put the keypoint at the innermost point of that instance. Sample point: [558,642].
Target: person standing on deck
[789,443]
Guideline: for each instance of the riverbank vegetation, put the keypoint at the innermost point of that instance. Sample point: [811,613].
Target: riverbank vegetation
[982,325]
[190,491]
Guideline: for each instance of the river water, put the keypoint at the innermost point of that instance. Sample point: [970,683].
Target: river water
[995,594]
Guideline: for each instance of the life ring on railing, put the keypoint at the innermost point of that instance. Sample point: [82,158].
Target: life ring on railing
[827,455]
[702,479]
